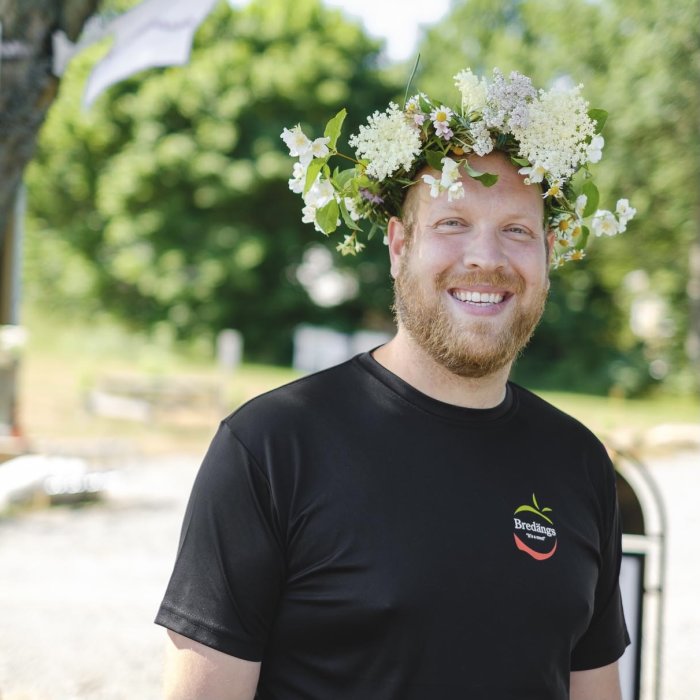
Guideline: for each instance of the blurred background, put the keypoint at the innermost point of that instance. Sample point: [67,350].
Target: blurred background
[155,274]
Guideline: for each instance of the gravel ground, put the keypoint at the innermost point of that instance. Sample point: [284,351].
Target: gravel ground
[79,586]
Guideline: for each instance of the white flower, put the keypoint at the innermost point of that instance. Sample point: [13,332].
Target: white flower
[450,170]
[320,193]
[455,191]
[319,147]
[580,206]
[595,149]
[350,245]
[389,142]
[351,206]
[604,223]
[296,184]
[434,184]
[301,146]
[559,259]
[533,174]
[507,101]
[555,190]
[450,181]
[308,214]
[483,143]
[472,89]
[624,213]
[440,117]
[557,133]
[414,111]
[297,141]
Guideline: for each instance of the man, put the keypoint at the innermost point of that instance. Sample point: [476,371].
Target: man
[410,525]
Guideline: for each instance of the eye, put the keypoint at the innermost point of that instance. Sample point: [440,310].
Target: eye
[450,224]
[518,231]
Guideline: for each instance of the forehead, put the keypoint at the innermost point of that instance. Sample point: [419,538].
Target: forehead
[510,196]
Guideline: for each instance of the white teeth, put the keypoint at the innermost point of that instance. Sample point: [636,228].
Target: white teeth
[478,297]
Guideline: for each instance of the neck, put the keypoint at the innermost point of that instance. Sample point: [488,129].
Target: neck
[407,360]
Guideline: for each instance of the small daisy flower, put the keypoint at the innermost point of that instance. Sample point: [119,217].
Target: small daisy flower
[414,111]
[554,190]
[441,117]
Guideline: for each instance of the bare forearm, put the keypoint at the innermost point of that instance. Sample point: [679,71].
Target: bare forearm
[597,684]
[196,672]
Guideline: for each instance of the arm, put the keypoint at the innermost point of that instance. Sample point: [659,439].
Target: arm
[596,684]
[197,672]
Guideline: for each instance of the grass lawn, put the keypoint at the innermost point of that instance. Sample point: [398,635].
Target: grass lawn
[63,362]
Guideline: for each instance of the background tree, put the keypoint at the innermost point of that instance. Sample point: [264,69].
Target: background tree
[641,62]
[173,187]
[27,85]
[27,89]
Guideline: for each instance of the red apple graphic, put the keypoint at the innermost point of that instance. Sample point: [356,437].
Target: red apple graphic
[543,533]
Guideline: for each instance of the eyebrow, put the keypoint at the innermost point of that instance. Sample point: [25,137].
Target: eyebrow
[504,214]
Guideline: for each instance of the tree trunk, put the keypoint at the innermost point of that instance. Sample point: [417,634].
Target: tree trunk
[27,89]
[27,86]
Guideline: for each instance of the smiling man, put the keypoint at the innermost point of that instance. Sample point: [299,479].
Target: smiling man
[471,279]
[410,524]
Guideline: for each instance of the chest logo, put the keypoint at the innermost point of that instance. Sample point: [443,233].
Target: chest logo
[534,531]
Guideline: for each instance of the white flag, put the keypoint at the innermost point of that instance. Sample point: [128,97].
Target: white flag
[154,33]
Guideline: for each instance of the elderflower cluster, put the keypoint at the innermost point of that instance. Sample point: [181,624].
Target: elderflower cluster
[550,135]
[472,89]
[558,133]
[508,101]
[389,142]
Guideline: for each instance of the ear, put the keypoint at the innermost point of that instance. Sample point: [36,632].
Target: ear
[396,236]
[551,238]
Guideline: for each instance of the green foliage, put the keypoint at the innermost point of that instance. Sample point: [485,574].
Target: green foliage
[168,203]
[169,197]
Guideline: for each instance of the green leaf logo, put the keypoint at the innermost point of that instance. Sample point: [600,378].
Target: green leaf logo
[535,508]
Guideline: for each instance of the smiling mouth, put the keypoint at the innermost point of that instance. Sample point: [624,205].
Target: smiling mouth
[478,298]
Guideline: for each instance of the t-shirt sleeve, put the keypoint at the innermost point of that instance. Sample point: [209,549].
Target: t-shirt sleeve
[606,638]
[230,566]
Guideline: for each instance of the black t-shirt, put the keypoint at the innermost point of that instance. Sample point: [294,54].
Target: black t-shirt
[366,541]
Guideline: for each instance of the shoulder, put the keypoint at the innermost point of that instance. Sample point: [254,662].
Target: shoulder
[562,433]
[536,409]
[314,397]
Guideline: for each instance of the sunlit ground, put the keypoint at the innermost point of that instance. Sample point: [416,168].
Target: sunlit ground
[64,362]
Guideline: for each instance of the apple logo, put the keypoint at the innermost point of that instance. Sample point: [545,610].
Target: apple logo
[534,531]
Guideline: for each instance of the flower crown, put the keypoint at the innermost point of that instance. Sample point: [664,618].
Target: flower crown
[551,135]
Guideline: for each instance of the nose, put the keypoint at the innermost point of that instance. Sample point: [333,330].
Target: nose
[483,249]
